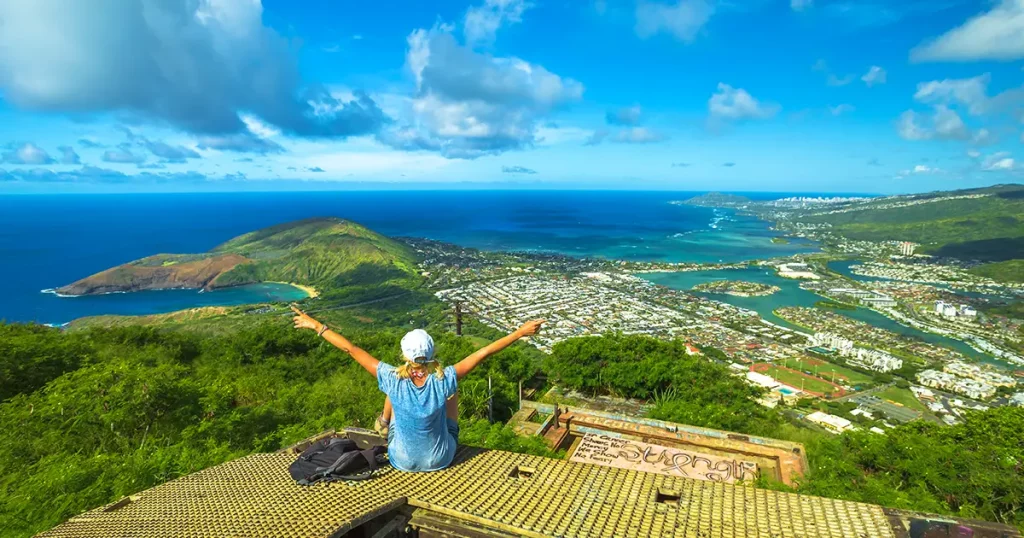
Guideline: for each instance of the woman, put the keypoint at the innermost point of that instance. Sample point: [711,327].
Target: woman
[421,395]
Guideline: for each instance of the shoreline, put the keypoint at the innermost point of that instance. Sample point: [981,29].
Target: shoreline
[310,290]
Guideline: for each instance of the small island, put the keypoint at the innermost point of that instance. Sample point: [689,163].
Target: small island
[738,288]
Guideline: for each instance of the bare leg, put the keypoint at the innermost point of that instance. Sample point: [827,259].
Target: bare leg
[451,408]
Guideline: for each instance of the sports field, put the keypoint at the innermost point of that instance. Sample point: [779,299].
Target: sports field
[809,384]
[825,370]
[903,397]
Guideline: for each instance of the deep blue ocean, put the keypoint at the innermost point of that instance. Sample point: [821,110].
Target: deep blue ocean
[47,241]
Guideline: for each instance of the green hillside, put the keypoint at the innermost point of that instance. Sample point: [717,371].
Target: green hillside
[988,228]
[323,252]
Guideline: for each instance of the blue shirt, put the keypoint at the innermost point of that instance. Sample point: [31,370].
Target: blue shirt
[420,437]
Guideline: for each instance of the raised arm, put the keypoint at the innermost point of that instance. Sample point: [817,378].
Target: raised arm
[367,361]
[466,365]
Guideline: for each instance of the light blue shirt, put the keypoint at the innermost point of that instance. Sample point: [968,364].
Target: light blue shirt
[420,436]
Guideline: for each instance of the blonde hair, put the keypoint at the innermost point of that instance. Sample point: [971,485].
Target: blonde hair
[404,371]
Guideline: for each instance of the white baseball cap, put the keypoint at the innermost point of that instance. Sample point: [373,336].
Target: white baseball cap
[418,346]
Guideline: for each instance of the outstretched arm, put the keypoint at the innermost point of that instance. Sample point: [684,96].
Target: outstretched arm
[367,361]
[466,365]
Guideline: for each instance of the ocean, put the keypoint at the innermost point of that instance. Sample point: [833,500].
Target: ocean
[47,241]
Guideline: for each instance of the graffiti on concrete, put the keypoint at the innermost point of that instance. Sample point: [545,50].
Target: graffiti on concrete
[640,456]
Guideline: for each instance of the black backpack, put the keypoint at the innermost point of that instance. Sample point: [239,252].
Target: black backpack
[334,459]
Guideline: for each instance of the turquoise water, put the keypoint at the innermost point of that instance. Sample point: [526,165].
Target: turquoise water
[784,390]
[48,241]
[58,310]
[790,294]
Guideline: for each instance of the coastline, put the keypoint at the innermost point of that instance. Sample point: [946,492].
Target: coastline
[310,290]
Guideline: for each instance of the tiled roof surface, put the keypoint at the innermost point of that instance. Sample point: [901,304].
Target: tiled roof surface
[527,495]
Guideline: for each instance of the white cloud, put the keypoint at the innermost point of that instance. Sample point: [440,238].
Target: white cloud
[684,19]
[997,34]
[469,104]
[909,126]
[970,92]
[875,75]
[983,137]
[27,153]
[998,162]
[973,153]
[68,155]
[924,169]
[800,5]
[193,64]
[948,125]
[481,23]
[730,103]
[840,109]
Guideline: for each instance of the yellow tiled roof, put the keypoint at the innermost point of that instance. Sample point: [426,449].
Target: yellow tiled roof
[527,495]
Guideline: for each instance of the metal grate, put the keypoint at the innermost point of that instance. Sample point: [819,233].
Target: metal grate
[255,496]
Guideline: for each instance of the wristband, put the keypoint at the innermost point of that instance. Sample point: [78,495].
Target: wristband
[323,329]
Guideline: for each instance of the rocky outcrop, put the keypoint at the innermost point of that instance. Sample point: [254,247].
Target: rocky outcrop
[160,272]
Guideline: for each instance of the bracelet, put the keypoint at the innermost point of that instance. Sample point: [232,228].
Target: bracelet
[323,329]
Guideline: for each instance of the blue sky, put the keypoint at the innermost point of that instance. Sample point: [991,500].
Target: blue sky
[770,95]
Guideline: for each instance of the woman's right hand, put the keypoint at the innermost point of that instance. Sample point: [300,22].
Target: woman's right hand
[531,327]
[303,321]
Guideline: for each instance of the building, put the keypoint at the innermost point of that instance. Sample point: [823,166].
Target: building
[489,493]
[831,423]
[949,310]
[870,359]
[1017,399]
[907,248]
[971,388]
[874,360]
[878,300]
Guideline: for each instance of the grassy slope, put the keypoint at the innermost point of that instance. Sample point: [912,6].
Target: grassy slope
[1007,271]
[324,252]
[985,228]
[903,397]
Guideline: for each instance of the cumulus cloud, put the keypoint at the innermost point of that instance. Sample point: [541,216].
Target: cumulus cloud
[194,64]
[839,110]
[948,125]
[800,5]
[68,155]
[123,155]
[998,162]
[169,153]
[875,75]
[624,116]
[482,22]
[468,104]
[240,143]
[730,103]
[969,92]
[683,19]
[517,170]
[26,153]
[314,169]
[997,34]
[943,124]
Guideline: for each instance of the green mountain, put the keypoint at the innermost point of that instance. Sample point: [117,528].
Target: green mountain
[984,224]
[326,253]
[322,252]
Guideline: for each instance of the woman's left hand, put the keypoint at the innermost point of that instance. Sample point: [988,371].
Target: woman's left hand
[303,321]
